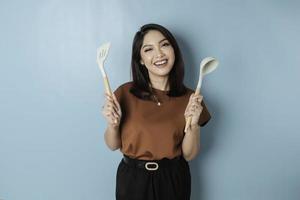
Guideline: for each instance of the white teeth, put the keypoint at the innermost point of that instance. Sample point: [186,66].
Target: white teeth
[161,62]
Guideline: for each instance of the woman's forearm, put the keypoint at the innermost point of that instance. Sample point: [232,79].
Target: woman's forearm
[112,137]
[191,143]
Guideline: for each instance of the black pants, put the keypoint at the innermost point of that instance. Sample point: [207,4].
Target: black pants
[171,181]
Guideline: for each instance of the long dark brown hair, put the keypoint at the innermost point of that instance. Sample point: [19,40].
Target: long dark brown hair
[140,87]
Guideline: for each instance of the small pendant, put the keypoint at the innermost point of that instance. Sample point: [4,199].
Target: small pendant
[158,103]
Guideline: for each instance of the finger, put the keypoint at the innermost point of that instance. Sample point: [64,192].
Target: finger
[108,96]
[112,108]
[192,95]
[108,117]
[197,112]
[111,118]
[196,97]
[116,101]
[192,101]
[194,106]
[189,112]
[109,109]
[197,101]
[188,107]
[186,115]
[200,98]
[110,101]
[109,106]
[116,113]
[114,104]
[113,100]
[200,108]
[113,111]
[115,116]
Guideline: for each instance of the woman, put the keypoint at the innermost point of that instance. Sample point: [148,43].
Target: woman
[146,120]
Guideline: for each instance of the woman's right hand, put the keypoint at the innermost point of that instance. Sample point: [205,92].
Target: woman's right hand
[112,110]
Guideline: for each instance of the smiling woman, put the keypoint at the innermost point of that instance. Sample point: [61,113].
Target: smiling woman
[157,55]
[146,119]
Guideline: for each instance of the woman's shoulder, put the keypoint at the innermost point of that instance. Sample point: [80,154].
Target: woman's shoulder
[126,85]
[122,91]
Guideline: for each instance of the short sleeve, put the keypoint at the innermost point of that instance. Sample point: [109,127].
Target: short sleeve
[205,115]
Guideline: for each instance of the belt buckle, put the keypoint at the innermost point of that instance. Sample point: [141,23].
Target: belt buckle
[151,163]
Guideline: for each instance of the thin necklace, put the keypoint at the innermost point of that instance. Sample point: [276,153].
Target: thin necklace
[155,97]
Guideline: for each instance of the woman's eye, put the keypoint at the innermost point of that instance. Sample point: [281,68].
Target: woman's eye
[166,44]
[148,50]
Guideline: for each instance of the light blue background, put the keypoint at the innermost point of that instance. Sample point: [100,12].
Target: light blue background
[51,133]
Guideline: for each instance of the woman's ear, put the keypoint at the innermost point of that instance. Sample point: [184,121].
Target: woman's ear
[142,63]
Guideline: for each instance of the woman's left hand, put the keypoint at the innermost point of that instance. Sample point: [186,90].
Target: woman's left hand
[194,108]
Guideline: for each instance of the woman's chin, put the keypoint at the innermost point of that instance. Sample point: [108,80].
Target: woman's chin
[161,71]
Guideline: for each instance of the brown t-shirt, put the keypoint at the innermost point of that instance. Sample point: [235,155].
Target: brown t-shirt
[152,132]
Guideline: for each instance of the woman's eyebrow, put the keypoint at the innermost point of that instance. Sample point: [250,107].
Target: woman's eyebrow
[151,45]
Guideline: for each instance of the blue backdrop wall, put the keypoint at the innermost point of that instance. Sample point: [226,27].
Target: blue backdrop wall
[51,133]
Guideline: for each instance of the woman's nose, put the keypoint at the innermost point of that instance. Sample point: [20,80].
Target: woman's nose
[159,53]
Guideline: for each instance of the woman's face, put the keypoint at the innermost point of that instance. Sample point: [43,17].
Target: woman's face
[157,54]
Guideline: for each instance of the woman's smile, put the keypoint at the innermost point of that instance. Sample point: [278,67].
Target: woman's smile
[161,63]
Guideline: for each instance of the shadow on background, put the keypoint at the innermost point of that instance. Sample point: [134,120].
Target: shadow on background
[208,133]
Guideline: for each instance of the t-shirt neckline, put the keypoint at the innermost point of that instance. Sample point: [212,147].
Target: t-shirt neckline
[162,91]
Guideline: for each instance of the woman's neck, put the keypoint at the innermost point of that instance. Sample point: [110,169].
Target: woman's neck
[160,83]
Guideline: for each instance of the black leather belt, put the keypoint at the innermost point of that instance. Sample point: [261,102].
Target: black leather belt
[150,165]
